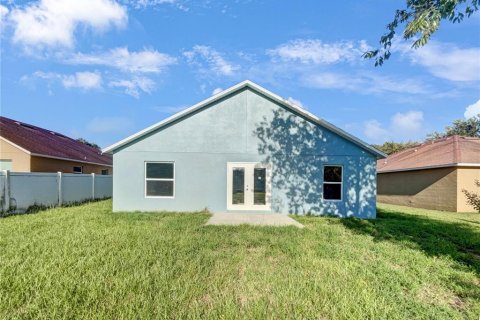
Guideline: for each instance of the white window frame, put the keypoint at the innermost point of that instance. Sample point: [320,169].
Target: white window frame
[81,169]
[7,161]
[326,182]
[159,179]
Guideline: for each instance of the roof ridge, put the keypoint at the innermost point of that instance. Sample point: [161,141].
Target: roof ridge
[28,125]
[48,143]
[456,149]
[423,144]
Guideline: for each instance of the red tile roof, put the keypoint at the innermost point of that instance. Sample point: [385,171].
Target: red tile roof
[48,143]
[442,152]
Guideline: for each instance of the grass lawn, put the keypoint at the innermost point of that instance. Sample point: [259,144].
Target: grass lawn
[88,262]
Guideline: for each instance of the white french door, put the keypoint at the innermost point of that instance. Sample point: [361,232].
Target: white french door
[248,186]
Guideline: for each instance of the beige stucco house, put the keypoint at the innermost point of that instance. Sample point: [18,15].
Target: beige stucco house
[27,148]
[431,175]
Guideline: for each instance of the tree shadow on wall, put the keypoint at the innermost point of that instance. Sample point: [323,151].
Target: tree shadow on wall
[297,149]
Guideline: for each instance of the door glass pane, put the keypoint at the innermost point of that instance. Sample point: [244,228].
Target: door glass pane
[259,190]
[238,187]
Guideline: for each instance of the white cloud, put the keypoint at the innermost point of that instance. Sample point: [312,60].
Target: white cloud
[83,80]
[296,102]
[410,121]
[52,23]
[373,130]
[147,3]
[134,86]
[142,4]
[216,91]
[364,83]
[3,13]
[145,61]
[472,110]
[109,124]
[315,51]
[445,61]
[212,58]
[170,109]
[402,127]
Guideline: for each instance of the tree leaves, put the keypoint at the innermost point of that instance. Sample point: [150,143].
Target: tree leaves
[467,128]
[422,19]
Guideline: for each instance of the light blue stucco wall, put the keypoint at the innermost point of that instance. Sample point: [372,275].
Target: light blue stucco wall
[246,127]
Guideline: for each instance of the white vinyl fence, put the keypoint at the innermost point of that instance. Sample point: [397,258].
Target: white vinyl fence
[21,190]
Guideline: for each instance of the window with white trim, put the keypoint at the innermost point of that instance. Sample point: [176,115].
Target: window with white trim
[159,179]
[332,182]
[6,164]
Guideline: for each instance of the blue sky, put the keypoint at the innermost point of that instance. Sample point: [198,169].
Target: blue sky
[102,70]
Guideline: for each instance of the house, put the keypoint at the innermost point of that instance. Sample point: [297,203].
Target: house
[27,148]
[245,150]
[431,175]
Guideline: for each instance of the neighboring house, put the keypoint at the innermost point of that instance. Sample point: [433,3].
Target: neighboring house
[431,175]
[245,150]
[27,148]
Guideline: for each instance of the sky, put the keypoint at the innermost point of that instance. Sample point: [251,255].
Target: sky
[103,69]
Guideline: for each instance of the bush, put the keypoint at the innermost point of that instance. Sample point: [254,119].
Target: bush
[473,199]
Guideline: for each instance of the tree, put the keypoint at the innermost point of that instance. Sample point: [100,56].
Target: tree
[390,147]
[473,199]
[88,143]
[468,128]
[421,18]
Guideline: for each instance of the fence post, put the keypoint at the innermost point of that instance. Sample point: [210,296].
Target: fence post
[93,186]
[60,193]
[6,189]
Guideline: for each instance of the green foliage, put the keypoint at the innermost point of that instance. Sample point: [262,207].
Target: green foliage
[467,128]
[421,18]
[473,198]
[88,143]
[390,147]
[86,262]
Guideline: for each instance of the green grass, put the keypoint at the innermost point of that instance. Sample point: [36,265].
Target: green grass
[87,262]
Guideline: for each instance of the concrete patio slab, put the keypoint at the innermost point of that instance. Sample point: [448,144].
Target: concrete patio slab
[277,220]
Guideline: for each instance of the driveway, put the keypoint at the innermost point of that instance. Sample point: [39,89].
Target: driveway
[277,220]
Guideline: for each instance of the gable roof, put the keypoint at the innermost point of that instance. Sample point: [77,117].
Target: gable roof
[49,144]
[447,152]
[265,92]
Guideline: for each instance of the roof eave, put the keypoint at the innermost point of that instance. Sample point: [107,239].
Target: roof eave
[439,166]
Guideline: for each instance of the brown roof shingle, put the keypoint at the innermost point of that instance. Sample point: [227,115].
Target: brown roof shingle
[437,153]
[48,143]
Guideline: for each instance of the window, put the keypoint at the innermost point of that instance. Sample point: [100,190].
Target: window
[104,172]
[332,182]
[78,169]
[6,164]
[159,179]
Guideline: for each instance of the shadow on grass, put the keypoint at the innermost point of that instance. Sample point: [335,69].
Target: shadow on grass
[460,241]
[38,208]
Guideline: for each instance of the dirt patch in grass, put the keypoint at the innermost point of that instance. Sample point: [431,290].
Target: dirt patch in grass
[436,295]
